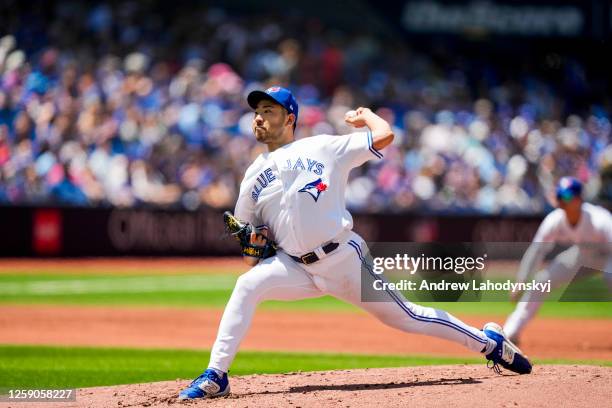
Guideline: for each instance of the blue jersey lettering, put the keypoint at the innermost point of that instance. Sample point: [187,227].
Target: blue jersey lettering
[264,179]
[299,163]
[269,175]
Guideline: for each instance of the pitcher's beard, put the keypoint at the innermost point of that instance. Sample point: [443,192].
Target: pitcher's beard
[263,136]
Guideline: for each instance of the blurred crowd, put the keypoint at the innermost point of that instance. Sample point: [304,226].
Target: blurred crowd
[109,105]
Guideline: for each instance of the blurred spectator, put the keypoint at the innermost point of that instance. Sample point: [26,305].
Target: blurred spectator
[109,104]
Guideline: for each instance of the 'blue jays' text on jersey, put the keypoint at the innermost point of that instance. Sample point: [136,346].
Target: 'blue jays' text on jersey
[298,190]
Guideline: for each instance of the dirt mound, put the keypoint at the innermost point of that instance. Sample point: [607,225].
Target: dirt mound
[571,386]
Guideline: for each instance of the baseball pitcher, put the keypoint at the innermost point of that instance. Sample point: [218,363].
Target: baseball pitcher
[295,231]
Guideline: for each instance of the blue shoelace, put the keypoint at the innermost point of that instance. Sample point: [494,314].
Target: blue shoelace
[494,367]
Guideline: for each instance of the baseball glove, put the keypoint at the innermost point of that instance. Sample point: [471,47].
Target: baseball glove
[242,231]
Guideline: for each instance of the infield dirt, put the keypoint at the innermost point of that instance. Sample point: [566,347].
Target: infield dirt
[457,386]
[278,331]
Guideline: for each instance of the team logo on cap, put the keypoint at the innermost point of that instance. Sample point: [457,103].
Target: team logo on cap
[273,89]
[314,189]
[566,182]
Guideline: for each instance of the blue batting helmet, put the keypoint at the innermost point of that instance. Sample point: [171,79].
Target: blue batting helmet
[568,188]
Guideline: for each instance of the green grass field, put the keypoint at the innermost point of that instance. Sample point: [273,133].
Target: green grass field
[213,290]
[63,367]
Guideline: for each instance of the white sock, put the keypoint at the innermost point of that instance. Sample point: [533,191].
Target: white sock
[491,344]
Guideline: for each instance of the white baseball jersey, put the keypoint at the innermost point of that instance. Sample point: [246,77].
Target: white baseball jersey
[594,227]
[298,192]
[298,189]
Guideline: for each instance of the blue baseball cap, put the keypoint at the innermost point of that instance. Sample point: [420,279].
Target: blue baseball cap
[568,188]
[278,94]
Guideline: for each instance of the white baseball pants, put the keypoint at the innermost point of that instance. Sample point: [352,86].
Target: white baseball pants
[561,271]
[339,275]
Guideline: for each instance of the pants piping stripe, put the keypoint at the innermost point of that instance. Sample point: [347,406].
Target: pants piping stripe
[405,308]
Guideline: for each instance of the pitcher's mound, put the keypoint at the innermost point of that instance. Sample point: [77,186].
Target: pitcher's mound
[458,386]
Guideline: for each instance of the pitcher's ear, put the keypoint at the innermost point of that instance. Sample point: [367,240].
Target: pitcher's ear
[291,119]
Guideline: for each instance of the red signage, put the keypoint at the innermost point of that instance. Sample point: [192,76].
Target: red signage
[47,234]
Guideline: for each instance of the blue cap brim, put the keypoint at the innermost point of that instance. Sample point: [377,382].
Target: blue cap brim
[254,97]
[566,196]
